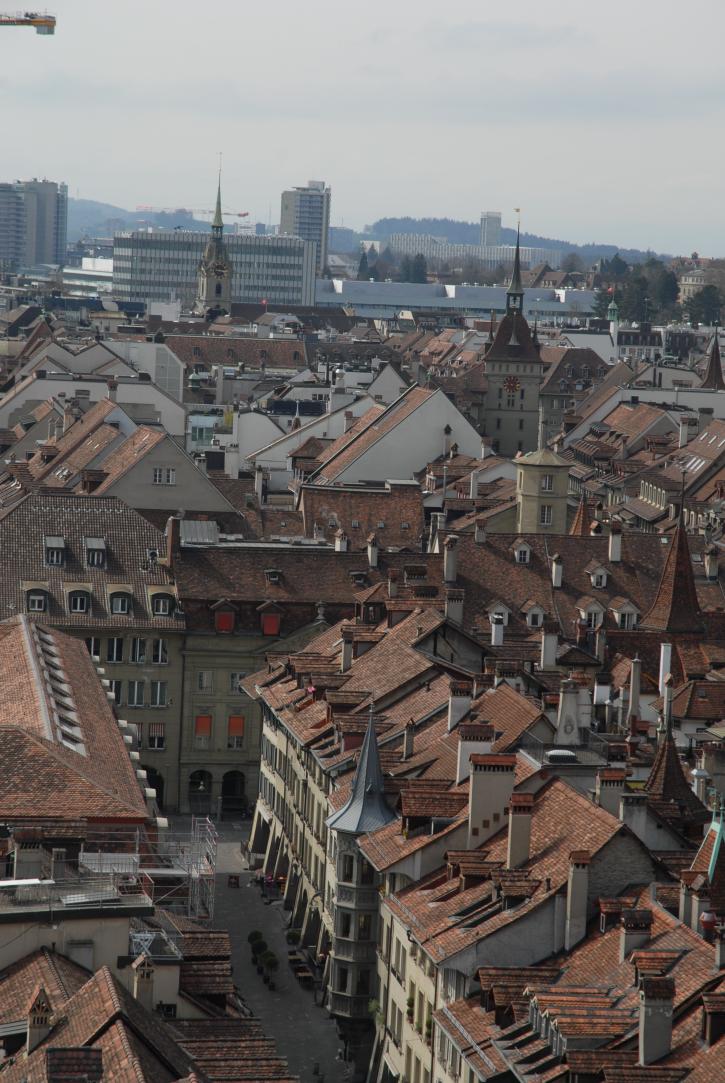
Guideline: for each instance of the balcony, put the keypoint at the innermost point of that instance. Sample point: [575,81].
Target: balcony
[362,898]
[358,951]
[351,1007]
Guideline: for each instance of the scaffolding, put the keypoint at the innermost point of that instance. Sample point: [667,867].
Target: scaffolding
[175,868]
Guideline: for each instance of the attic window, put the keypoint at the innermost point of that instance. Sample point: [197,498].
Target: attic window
[405,526]
[54,551]
[355,523]
[272,575]
[120,603]
[380,525]
[534,617]
[271,624]
[161,605]
[79,601]
[95,552]
[37,601]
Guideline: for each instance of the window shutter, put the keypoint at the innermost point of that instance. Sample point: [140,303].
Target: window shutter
[156,729]
[270,624]
[236,725]
[224,620]
[202,725]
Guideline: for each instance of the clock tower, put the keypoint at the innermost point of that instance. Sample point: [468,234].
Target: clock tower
[214,277]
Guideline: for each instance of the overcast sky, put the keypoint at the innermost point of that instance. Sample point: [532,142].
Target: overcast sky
[602,121]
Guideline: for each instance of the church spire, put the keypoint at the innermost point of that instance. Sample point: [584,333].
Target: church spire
[713,379]
[218,223]
[515,292]
[676,607]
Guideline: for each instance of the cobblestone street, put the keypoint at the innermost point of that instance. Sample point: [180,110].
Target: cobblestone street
[303,1032]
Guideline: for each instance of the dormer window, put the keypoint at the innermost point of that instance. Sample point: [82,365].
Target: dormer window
[79,601]
[37,601]
[534,617]
[593,618]
[522,553]
[597,574]
[161,605]
[500,611]
[54,551]
[272,575]
[120,603]
[95,552]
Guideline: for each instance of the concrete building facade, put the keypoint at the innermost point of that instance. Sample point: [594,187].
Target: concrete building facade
[305,212]
[163,265]
[33,223]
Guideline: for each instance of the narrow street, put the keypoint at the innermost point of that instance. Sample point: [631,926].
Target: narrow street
[302,1031]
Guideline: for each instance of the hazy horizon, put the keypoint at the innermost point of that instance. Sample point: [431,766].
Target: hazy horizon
[601,125]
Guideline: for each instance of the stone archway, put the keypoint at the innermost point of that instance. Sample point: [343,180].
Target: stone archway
[234,800]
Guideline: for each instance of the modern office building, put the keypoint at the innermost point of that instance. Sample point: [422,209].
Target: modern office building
[33,223]
[490,227]
[163,265]
[489,255]
[305,212]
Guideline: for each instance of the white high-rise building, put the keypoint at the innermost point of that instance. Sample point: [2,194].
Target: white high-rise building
[490,228]
[305,212]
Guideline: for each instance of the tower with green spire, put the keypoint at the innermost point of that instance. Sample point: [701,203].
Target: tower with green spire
[214,277]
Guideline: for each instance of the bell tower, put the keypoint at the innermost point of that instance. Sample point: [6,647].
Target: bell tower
[214,278]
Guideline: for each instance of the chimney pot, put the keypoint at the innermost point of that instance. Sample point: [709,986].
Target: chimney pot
[521,807]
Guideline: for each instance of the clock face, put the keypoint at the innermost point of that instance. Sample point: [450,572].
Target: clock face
[511,383]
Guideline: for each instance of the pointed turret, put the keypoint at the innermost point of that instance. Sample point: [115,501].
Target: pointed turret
[515,292]
[366,809]
[582,519]
[218,223]
[713,379]
[667,787]
[676,607]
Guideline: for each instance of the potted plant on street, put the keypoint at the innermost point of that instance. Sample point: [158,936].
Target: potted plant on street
[270,962]
[258,949]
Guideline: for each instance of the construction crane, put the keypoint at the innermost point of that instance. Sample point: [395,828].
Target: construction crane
[43,23]
[188,210]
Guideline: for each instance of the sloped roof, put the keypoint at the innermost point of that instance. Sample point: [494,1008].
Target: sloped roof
[713,378]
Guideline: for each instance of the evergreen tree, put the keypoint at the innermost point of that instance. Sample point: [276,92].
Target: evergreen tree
[363,270]
[602,300]
[704,306]
[418,269]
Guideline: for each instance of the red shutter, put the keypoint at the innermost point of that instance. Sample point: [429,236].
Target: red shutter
[202,725]
[224,620]
[236,725]
[270,624]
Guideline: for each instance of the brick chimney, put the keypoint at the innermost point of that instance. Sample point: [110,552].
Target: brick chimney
[609,788]
[496,630]
[549,644]
[450,559]
[373,550]
[567,727]
[615,544]
[557,571]
[460,697]
[473,737]
[143,981]
[521,807]
[408,740]
[635,931]
[656,998]
[454,604]
[490,787]
[577,896]
[39,1013]
[173,541]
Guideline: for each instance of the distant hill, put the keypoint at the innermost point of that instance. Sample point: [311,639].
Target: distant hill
[458,232]
[91,218]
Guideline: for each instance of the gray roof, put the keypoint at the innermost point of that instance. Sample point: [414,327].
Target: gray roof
[366,809]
